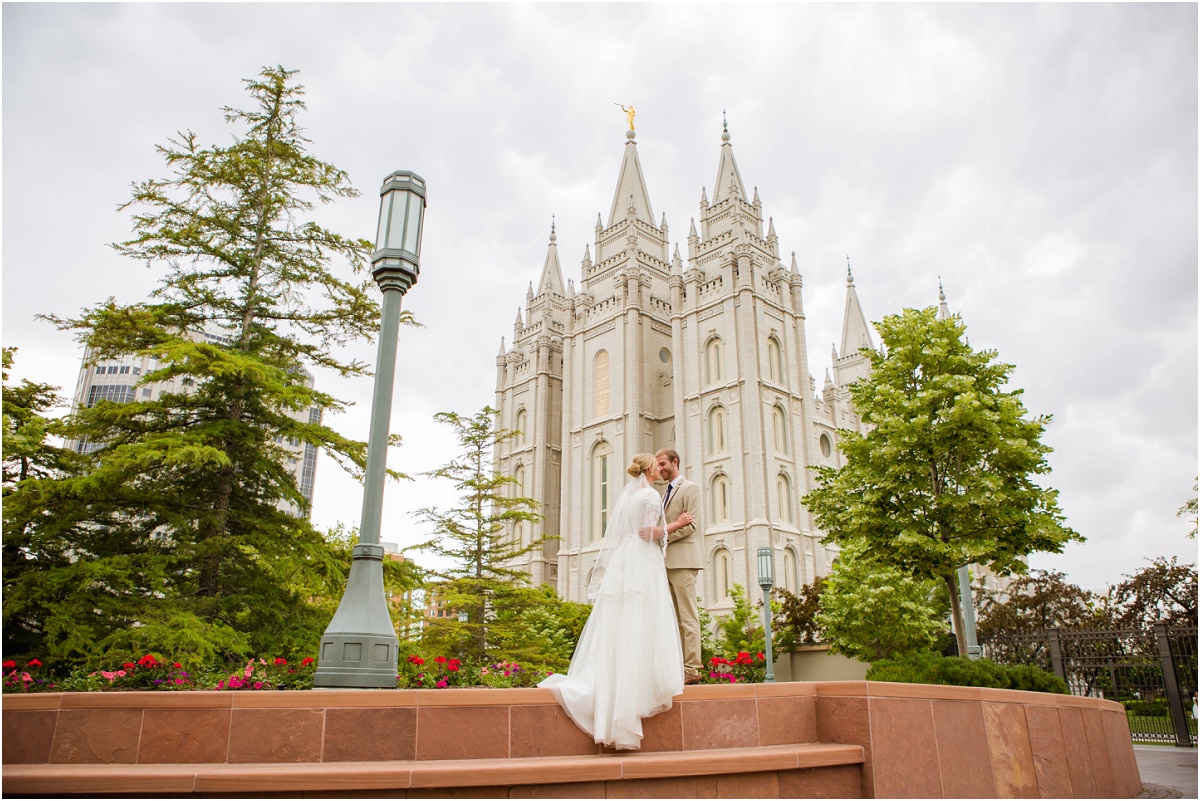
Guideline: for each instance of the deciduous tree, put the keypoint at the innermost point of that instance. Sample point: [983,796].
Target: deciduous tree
[945,475]
[1036,601]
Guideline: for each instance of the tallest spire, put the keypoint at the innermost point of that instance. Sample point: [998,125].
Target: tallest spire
[631,194]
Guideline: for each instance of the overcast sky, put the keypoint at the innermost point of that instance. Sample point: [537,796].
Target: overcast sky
[1040,159]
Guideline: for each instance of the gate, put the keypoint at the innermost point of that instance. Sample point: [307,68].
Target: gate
[1151,672]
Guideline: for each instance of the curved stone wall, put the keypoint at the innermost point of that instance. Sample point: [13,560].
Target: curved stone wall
[916,741]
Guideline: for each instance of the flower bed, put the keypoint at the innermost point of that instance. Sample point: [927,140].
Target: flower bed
[151,672]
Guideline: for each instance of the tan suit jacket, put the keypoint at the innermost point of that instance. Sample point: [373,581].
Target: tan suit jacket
[684,544]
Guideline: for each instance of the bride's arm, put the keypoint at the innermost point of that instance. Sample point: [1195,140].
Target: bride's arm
[651,515]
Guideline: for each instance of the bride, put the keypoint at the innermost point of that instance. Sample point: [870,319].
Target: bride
[628,663]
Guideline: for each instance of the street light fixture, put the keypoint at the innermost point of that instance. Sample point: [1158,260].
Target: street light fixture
[360,647]
[766,580]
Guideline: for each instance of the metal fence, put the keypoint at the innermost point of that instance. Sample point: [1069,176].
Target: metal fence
[1151,672]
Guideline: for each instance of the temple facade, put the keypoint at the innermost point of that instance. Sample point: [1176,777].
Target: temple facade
[707,356]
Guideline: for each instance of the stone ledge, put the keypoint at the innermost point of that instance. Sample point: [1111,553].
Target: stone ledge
[123,780]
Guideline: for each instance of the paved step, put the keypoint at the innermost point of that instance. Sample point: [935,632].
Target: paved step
[292,778]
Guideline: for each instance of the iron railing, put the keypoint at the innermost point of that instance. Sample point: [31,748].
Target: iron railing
[1151,672]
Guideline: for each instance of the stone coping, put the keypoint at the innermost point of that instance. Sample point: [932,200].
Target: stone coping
[527,696]
[400,775]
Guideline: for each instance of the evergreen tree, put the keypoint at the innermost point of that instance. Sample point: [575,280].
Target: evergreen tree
[28,453]
[174,533]
[945,474]
[476,536]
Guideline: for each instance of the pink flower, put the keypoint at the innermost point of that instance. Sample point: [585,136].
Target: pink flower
[221,684]
[121,673]
[258,685]
[249,671]
[442,682]
[179,681]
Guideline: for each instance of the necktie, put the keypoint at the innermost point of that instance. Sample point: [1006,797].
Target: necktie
[667,499]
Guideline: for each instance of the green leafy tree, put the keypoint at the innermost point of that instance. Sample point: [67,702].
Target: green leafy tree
[945,474]
[476,537]
[536,627]
[872,611]
[741,630]
[1036,601]
[174,534]
[1189,512]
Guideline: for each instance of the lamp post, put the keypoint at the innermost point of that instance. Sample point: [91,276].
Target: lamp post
[766,579]
[968,613]
[359,649]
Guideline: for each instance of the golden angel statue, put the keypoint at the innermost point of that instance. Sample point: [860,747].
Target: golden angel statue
[629,112]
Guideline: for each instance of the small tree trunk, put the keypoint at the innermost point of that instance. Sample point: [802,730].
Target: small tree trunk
[960,629]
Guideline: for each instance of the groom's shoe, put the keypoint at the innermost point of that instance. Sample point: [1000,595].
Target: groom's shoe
[691,678]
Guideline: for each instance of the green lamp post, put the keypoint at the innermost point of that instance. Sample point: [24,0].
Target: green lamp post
[359,649]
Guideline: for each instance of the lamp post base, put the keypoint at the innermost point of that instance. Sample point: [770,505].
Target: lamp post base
[360,647]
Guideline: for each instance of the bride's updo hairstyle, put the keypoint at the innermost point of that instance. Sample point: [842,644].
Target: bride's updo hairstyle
[642,462]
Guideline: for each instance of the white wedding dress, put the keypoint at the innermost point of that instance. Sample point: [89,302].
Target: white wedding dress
[628,664]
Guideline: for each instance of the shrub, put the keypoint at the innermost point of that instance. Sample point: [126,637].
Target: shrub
[931,668]
[1150,708]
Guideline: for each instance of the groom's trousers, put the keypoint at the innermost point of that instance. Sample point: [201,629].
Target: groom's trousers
[683,593]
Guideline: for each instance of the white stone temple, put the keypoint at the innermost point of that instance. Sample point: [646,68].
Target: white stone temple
[707,356]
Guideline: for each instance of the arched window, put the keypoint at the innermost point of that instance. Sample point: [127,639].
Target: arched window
[519,534]
[521,427]
[601,489]
[774,360]
[719,493]
[779,425]
[790,579]
[600,385]
[519,475]
[810,562]
[716,430]
[722,574]
[783,487]
[714,353]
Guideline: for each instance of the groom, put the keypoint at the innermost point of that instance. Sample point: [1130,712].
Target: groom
[684,558]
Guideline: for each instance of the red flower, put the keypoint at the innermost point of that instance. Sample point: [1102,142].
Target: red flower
[176,665]
[308,660]
[454,665]
[416,660]
[128,665]
[9,664]
[33,663]
[148,661]
[760,657]
[279,660]
[441,660]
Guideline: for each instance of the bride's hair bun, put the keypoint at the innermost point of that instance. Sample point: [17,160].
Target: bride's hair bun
[642,463]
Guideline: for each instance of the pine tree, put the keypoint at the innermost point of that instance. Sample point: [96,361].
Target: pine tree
[175,534]
[945,474]
[476,536]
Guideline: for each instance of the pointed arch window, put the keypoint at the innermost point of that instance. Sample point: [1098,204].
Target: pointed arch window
[522,426]
[774,360]
[716,430]
[600,384]
[714,353]
[790,577]
[810,562]
[719,493]
[783,488]
[779,426]
[601,490]
[519,475]
[722,571]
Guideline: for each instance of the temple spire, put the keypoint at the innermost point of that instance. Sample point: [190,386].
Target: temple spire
[631,187]
[943,310]
[729,179]
[551,280]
